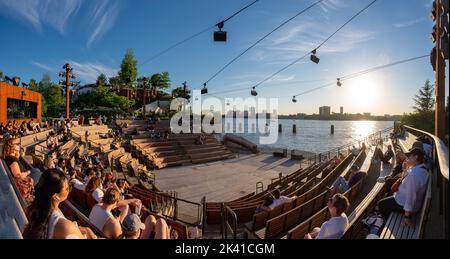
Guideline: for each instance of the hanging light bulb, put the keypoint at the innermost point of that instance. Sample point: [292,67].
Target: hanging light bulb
[314,58]
[294,100]
[339,83]
[253,92]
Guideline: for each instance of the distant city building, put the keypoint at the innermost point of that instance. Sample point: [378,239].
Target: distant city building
[325,111]
[342,110]
[368,114]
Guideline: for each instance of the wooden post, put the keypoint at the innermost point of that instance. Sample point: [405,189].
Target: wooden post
[280,128]
[332,129]
[294,129]
[440,78]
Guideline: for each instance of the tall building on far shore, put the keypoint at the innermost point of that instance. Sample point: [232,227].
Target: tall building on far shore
[325,111]
[342,110]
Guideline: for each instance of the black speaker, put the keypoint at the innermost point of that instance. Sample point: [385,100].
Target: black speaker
[220,36]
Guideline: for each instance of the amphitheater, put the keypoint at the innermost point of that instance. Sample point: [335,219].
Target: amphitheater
[212,190]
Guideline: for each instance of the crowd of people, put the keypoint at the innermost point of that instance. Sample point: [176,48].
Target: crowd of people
[115,212]
[15,129]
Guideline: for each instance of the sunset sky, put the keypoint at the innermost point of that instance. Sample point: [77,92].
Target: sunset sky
[40,36]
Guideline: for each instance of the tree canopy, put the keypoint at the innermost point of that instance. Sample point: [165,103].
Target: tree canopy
[424,101]
[128,69]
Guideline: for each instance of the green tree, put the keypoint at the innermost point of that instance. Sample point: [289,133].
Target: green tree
[179,92]
[101,97]
[128,69]
[161,81]
[53,99]
[423,117]
[115,82]
[33,85]
[424,101]
[102,80]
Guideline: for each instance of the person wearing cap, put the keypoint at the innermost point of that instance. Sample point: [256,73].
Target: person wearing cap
[133,228]
[411,192]
[341,185]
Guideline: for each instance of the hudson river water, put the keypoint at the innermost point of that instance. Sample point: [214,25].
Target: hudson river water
[315,136]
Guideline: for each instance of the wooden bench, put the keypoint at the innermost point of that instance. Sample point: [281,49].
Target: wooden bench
[395,227]
[281,154]
[368,204]
[278,225]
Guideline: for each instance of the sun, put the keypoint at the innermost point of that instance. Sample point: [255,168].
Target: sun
[363,93]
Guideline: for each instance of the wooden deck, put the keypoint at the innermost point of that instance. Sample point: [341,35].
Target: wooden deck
[224,180]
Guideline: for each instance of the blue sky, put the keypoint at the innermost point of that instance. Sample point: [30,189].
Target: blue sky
[39,36]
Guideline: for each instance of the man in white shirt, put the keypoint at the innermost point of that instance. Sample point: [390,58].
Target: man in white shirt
[338,223]
[279,200]
[77,184]
[411,192]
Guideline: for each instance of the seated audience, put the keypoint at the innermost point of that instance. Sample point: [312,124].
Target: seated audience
[73,181]
[341,185]
[62,165]
[49,162]
[133,228]
[102,216]
[265,206]
[45,219]
[279,200]
[408,199]
[52,141]
[94,188]
[25,179]
[387,156]
[335,227]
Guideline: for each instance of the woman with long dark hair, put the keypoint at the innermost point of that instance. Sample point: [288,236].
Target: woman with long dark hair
[46,220]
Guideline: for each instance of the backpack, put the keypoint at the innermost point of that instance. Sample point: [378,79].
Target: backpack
[373,223]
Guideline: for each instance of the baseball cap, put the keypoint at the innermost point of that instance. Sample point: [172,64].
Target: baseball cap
[132,223]
[415,151]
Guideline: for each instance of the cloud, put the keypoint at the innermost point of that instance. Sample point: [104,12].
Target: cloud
[57,13]
[103,16]
[299,40]
[37,13]
[43,66]
[331,5]
[410,23]
[89,72]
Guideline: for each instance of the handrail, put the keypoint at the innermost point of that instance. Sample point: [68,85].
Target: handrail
[441,150]
[227,212]
[370,136]
[440,178]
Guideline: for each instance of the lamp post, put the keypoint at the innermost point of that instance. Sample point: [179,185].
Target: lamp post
[68,74]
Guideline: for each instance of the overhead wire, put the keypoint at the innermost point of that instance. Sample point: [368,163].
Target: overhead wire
[157,55]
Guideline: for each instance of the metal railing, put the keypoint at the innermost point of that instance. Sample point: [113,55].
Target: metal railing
[371,139]
[440,156]
[229,222]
